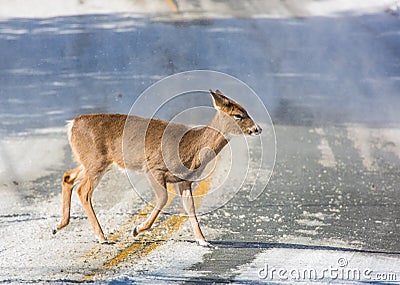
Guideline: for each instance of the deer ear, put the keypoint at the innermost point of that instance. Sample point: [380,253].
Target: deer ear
[213,96]
[219,99]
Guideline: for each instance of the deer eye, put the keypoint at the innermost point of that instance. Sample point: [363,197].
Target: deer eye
[238,117]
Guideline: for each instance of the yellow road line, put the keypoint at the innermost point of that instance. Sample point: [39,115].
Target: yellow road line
[161,232]
[141,214]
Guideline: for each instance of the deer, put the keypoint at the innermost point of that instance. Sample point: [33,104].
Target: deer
[166,152]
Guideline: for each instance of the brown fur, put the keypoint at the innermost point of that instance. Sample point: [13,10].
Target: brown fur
[167,152]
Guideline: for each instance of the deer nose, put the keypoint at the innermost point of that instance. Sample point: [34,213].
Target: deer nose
[256,130]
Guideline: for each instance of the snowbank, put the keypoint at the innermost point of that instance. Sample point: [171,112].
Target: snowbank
[54,8]
[336,7]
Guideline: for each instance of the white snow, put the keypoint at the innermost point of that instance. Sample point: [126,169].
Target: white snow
[161,265]
[26,159]
[29,251]
[54,8]
[338,7]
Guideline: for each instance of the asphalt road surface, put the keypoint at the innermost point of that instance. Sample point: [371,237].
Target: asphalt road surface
[328,73]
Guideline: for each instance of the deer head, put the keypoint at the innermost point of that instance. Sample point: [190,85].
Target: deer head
[232,118]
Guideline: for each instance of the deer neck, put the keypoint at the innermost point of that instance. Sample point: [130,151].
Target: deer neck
[213,135]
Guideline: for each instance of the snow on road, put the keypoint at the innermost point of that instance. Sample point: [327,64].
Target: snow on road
[33,158]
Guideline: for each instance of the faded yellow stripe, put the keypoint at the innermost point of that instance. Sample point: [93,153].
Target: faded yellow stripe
[162,232]
[141,214]
[200,191]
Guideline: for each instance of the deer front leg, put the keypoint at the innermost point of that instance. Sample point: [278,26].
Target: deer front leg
[85,192]
[158,184]
[185,191]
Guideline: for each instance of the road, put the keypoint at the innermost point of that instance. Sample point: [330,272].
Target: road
[328,73]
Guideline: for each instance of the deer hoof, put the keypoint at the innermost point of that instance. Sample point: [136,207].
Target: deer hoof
[54,231]
[203,243]
[101,240]
[107,242]
[135,232]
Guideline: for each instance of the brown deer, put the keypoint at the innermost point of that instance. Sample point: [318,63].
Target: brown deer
[166,152]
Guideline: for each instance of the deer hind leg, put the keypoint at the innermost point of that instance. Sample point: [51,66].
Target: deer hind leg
[85,191]
[70,178]
[159,186]
[188,204]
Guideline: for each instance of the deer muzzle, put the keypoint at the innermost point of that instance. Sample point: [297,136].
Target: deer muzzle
[255,130]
